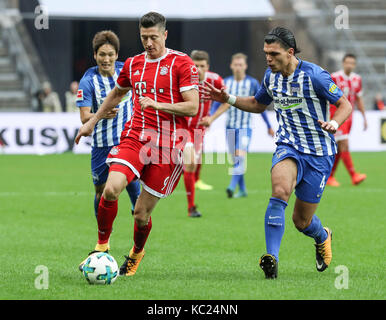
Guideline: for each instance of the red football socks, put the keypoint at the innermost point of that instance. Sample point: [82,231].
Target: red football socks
[140,236]
[197,172]
[107,211]
[189,179]
[346,157]
[337,158]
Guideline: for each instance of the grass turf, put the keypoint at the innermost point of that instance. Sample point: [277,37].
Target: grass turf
[47,219]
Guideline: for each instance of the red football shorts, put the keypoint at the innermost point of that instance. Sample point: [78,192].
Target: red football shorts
[196,139]
[344,130]
[158,169]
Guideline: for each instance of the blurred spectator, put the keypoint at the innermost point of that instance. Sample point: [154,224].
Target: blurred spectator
[379,103]
[71,97]
[49,99]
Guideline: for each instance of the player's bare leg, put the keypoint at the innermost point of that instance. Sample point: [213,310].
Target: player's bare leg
[307,222]
[283,179]
[189,179]
[142,227]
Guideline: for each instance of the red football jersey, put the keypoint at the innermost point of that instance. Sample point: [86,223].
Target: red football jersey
[163,80]
[350,85]
[204,108]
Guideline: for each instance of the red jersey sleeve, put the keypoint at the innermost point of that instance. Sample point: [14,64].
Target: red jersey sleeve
[187,74]
[219,83]
[359,89]
[123,81]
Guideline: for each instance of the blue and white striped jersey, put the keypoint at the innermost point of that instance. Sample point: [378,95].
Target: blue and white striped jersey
[236,118]
[299,101]
[93,89]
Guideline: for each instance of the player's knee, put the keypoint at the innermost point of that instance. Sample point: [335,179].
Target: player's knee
[141,216]
[300,222]
[281,192]
[111,193]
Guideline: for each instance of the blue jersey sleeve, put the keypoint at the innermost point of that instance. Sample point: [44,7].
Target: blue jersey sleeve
[325,87]
[262,96]
[85,94]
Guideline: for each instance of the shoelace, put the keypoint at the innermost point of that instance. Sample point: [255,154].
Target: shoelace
[321,249]
[129,263]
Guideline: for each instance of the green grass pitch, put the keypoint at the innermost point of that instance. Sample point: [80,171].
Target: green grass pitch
[46,210]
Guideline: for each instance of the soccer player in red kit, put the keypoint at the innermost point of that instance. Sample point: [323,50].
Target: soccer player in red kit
[164,83]
[193,149]
[351,85]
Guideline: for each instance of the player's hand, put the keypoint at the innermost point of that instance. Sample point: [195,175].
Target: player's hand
[365,125]
[146,102]
[271,132]
[84,131]
[212,93]
[111,114]
[206,121]
[326,126]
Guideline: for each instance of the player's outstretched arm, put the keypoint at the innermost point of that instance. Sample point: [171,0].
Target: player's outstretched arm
[187,108]
[112,100]
[361,108]
[342,113]
[248,104]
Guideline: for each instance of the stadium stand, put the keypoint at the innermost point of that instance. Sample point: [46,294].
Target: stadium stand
[363,34]
[21,72]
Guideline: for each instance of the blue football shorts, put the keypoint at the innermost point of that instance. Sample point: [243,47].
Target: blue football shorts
[238,139]
[99,168]
[313,172]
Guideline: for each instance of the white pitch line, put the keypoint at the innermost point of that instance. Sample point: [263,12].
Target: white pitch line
[219,191]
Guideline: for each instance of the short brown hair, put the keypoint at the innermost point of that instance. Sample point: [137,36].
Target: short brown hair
[152,19]
[239,55]
[199,55]
[105,37]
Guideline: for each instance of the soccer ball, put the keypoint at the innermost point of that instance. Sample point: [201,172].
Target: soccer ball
[100,268]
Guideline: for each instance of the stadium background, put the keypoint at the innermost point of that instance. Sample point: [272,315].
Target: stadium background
[60,53]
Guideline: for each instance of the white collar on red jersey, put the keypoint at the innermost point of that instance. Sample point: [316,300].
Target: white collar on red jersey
[158,59]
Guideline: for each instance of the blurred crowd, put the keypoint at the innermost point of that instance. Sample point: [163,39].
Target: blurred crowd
[49,100]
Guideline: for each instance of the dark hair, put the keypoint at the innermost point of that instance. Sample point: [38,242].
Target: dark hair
[152,19]
[349,55]
[283,36]
[200,55]
[105,37]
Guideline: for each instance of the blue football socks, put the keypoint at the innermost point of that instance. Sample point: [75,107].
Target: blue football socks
[315,230]
[274,225]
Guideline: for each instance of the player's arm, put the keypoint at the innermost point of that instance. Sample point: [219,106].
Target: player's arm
[343,111]
[248,104]
[187,108]
[361,108]
[208,120]
[86,114]
[112,100]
